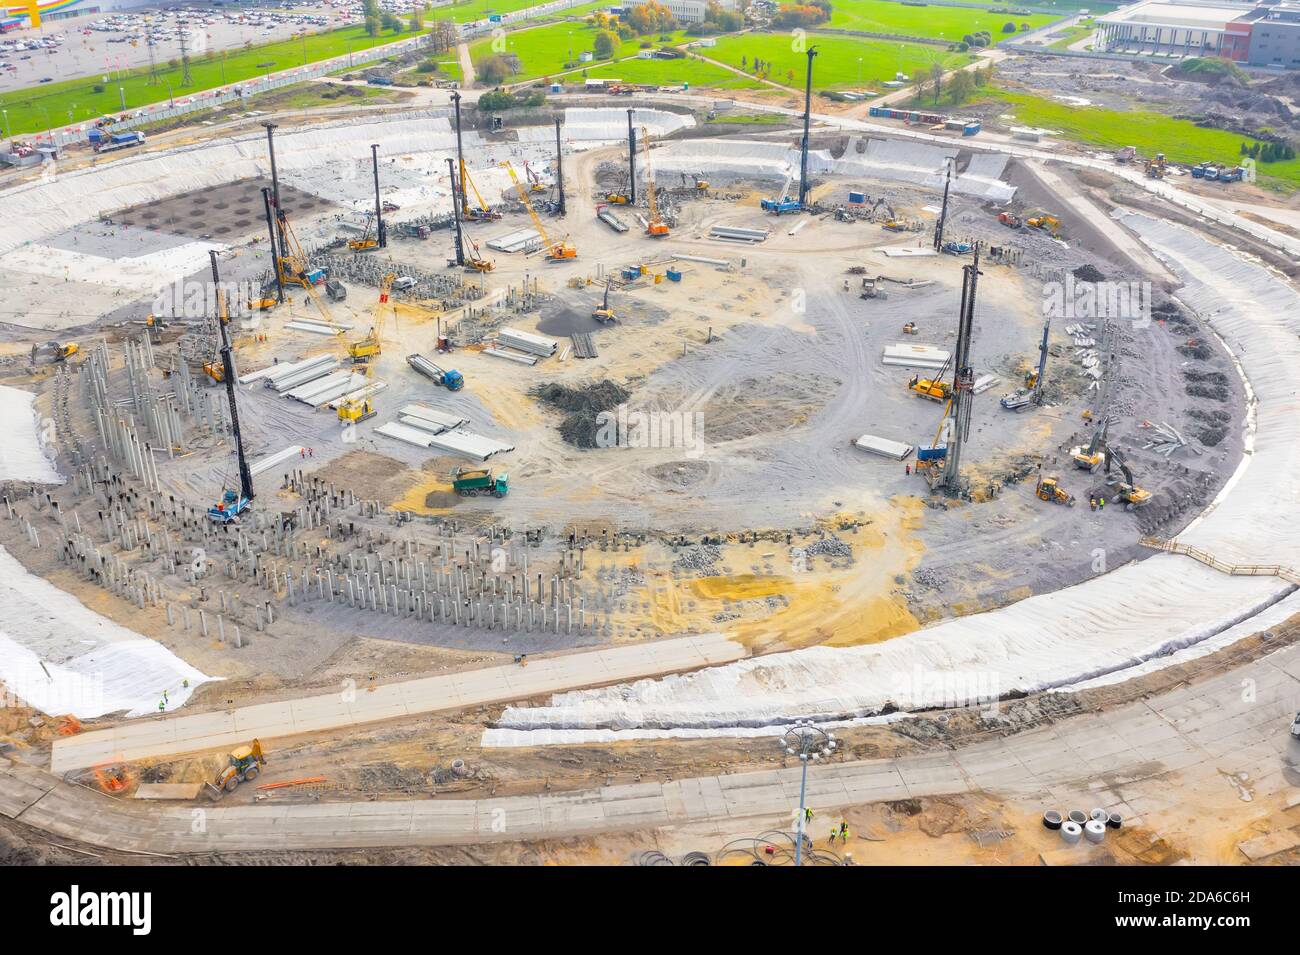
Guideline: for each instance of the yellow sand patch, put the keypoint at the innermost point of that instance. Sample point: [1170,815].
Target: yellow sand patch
[739,587]
[421,497]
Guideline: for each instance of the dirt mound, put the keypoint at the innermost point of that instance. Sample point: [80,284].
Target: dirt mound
[585,405]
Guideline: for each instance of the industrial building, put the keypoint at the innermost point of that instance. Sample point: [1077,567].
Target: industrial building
[1266,36]
[687,11]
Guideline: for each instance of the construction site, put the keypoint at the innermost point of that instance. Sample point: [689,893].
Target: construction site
[375,475]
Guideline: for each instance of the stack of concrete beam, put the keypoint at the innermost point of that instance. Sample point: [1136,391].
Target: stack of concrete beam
[428,419]
[923,357]
[454,441]
[317,326]
[303,372]
[513,356]
[324,390]
[874,444]
[526,342]
[265,464]
[365,391]
[285,368]
[521,240]
[734,234]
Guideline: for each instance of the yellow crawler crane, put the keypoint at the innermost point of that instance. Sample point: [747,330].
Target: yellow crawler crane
[555,251]
[656,228]
[370,346]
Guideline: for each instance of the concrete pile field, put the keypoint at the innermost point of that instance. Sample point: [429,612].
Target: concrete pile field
[608,488]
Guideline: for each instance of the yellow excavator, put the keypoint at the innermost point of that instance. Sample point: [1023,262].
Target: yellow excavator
[555,251]
[603,313]
[1129,493]
[1091,456]
[367,348]
[1045,222]
[54,351]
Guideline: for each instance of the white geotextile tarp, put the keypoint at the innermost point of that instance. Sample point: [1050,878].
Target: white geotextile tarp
[60,657]
[900,161]
[22,457]
[32,211]
[1126,622]
[611,124]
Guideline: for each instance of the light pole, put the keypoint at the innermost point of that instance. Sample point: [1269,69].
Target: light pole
[859,74]
[810,743]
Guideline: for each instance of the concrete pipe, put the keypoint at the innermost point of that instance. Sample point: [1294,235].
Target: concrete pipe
[1094,831]
[1114,820]
[1071,832]
[1052,820]
[1100,815]
[1078,817]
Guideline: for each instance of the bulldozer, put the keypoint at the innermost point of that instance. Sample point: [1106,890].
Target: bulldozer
[1049,489]
[245,764]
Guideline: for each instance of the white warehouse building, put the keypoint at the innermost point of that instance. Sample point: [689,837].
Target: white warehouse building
[686,11]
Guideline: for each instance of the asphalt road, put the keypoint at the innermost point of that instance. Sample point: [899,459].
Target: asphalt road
[1210,745]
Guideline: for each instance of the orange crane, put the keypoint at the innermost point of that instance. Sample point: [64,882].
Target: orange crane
[656,228]
[555,251]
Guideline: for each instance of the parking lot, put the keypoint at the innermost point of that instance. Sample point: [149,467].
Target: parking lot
[104,43]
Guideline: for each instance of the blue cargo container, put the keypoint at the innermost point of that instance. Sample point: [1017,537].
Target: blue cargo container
[936,453]
[971,129]
[857,198]
[674,275]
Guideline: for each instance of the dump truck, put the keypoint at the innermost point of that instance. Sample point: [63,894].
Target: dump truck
[245,764]
[471,482]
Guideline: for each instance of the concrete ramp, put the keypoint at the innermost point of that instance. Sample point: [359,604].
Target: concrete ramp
[194,733]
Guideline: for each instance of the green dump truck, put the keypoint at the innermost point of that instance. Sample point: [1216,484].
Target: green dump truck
[471,482]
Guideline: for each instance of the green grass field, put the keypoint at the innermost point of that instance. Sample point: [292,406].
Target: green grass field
[948,23]
[694,72]
[56,104]
[1074,34]
[479,9]
[840,61]
[543,51]
[1180,140]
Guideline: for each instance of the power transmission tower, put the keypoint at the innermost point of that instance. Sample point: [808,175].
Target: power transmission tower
[153,66]
[186,80]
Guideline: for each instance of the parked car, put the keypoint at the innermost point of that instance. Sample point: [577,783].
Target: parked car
[1295,726]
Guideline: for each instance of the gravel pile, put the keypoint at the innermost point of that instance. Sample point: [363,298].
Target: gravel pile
[927,579]
[703,560]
